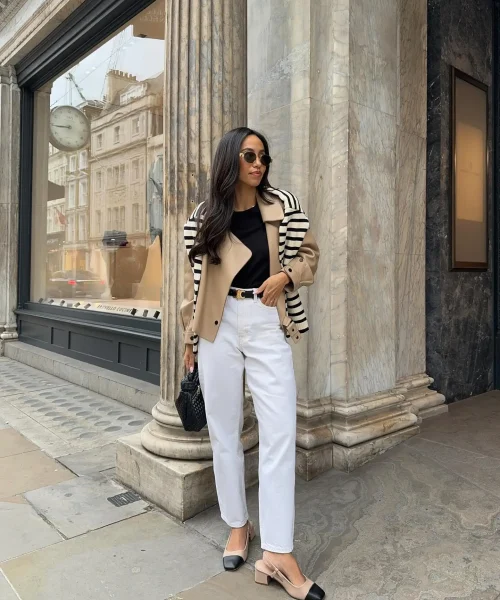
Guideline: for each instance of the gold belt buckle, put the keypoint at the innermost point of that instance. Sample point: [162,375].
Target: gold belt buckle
[239,295]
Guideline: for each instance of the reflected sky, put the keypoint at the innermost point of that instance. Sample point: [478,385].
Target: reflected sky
[141,57]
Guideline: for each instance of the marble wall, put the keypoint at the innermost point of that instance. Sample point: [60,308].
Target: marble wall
[459,305]
[278,63]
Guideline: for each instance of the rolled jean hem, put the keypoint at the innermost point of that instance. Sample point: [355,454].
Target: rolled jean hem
[235,524]
[277,549]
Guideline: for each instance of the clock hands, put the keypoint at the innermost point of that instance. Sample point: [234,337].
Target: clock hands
[65,126]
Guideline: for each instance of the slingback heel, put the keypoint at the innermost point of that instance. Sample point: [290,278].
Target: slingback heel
[264,571]
[233,559]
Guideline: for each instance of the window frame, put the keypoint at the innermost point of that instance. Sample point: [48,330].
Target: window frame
[89,25]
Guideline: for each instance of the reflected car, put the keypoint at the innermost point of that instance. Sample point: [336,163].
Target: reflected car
[75,284]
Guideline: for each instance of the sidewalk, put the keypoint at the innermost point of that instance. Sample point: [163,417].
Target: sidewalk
[422,521]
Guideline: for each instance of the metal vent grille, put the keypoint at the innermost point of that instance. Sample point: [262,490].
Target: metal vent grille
[124,498]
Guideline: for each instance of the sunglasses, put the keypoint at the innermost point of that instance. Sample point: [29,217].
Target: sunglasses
[250,157]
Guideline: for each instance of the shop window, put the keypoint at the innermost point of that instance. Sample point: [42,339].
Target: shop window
[82,196]
[136,126]
[135,169]
[135,216]
[71,229]
[98,223]
[81,228]
[108,228]
[83,159]
[71,195]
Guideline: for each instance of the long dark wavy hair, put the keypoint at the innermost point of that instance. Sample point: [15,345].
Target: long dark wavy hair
[218,208]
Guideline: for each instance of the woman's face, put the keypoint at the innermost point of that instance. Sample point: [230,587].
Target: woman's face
[251,173]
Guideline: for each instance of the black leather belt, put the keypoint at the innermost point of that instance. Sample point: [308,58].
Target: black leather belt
[242,294]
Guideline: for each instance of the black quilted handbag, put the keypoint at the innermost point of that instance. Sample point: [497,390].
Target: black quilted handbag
[190,404]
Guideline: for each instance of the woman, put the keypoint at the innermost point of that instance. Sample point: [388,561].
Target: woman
[250,249]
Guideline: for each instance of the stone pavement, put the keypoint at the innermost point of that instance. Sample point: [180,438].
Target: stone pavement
[422,521]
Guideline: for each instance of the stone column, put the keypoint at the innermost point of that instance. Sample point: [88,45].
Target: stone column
[411,129]
[343,102]
[205,96]
[9,201]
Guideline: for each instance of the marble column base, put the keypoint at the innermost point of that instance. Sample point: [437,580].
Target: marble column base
[349,435]
[165,436]
[183,488]
[425,402]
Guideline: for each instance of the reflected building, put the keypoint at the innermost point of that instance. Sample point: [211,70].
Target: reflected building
[126,143]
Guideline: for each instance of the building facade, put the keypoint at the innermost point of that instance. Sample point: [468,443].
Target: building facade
[355,98]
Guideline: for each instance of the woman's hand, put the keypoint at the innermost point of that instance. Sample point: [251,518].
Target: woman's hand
[189,358]
[273,288]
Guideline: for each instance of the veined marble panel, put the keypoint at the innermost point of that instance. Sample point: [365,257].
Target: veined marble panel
[371,331]
[373,47]
[278,54]
[412,105]
[329,51]
[372,170]
[410,193]
[287,129]
[410,324]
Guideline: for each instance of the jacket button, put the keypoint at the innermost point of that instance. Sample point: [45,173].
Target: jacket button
[289,270]
[216,322]
[192,337]
[301,259]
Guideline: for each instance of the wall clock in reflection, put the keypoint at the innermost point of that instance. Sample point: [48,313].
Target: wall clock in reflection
[69,128]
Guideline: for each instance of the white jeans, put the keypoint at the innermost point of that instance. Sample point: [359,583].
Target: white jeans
[250,339]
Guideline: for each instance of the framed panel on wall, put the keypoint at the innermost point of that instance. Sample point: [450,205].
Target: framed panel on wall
[469,172]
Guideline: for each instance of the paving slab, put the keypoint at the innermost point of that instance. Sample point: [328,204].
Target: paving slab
[91,461]
[78,417]
[23,472]
[16,377]
[12,442]
[4,424]
[483,471]
[401,527]
[48,441]
[23,530]
[234,586]
[148,556]
[81,505]
[6,591]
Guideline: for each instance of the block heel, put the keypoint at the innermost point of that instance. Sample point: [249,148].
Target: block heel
[260,576]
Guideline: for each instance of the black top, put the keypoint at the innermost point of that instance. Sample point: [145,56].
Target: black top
[249,228]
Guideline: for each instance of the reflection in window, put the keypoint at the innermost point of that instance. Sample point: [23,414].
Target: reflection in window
[71,195]
[99,224]
[135,126]
[82,200]
[83,160]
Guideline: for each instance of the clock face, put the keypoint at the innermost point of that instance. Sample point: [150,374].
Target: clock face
[69,128]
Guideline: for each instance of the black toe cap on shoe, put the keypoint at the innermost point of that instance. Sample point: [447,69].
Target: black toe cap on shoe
[315,593]
[231,563]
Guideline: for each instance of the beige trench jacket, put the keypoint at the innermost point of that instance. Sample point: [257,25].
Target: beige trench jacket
[216,279]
